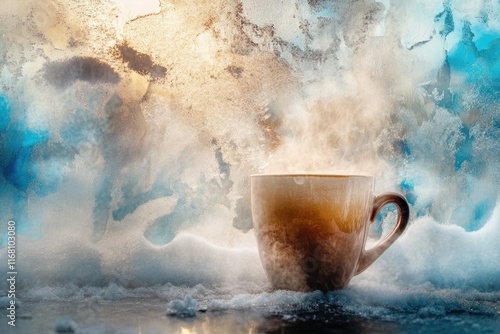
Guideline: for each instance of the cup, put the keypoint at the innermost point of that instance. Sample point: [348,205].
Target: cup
[312,229]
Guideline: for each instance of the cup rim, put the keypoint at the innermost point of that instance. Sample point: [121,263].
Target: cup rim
[312,175]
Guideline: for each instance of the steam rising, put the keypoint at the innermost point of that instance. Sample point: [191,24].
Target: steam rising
[128,133]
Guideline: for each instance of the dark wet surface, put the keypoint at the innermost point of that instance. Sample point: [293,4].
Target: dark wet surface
[141,315]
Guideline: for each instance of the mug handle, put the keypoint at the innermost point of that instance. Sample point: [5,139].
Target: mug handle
[367,257]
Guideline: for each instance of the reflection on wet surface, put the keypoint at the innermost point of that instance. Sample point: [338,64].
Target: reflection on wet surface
[140,315]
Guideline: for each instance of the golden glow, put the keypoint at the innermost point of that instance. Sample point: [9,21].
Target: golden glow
[185,330]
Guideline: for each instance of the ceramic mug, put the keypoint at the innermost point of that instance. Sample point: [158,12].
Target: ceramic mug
[312,229]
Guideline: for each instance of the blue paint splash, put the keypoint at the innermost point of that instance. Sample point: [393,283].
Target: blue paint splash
[20,154]
[447,16]
[470,68]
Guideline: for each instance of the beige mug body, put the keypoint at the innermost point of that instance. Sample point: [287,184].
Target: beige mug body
[312,229]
